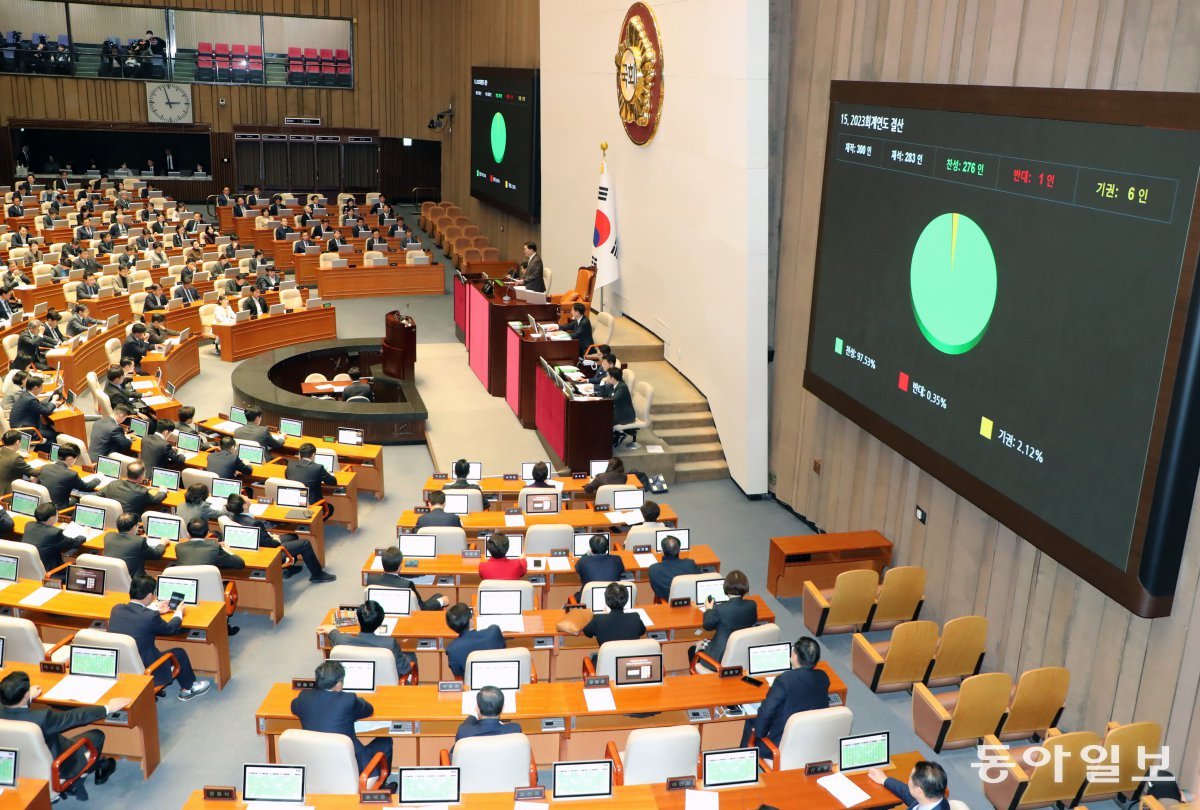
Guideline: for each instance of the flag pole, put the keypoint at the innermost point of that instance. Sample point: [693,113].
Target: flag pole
[603,160]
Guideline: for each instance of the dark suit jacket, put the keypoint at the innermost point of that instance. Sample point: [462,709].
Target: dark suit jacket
[581,330]
[311,474]
[255,306]
[227,465]
[357,389]
[489,638]
[300,245]
[206,552]
[78,325]
[623,412]
[487,727]
[462,483]
[438,517]
[60,479]
[29,411]
[615,625]
[605,478]
[50,542]
[661,574]
[117,395]
[154,302]
[599,568]
[900,790]
[188,294]
[726,617]
[257,433]
[398,581]
[135,349]
[534,279]
[133,549]
[797,690]
[331,712]
[144,625]
[108,438]
[134,498]
[53,722]
[158,452]
[12,467]
[403,662]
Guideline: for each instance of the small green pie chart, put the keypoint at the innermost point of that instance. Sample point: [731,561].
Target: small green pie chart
[953,283]
[499,137]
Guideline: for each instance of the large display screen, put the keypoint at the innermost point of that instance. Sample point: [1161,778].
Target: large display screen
[505,151]
[1003,297]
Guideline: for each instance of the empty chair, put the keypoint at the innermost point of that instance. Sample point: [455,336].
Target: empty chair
[604,495]
[843,608]
[810,736]
[685,584]
[112,348]
[384,660]
[518,654]
[1060,779]
[22,642]
[900,597]
[116,572]
[602,328]
[888,666]
[10,346]
[1037,703]
[29,563]
[35,761]
[544,538]
[450,539]
[493,764]
[960,650]
[524,586]
[1132,747]
[737,649]
[654,755]
[959,718]
[330,766]
[610,651]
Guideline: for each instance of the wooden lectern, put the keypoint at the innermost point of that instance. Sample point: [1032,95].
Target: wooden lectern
[399,346]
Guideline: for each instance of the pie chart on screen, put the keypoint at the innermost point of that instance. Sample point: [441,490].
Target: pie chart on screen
[499,137]
[953,283]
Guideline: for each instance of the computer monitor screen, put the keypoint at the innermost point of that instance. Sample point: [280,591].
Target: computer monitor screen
[394,601]
[164,479]
[99,662]
[161,527]
[224,487]
[139,426]
[597,466]
[428,785]
[237,414]
[8,767]
[189,442]
[418,545]
[582,544]
[326,459]
[516,546]
[273,783]
[90,516]
[542,504]
[639,670]
[82,579]
[580,780]
[291,496]
[769,659]
[499,603]
[500,674]
[349,436]
[108,466]
[244,538]
[26,441]
[600,606]
[474,474]
[360,676]
[8,568]
[456,503]
[527,470]
[1,651]
[55,449]
[252,453]
[23,503]
[730,766]
[684,536]
[172,585]
[714,588]
[624,499]
[864,751]
[291,427]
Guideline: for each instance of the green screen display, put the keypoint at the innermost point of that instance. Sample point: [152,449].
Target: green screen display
[8,767]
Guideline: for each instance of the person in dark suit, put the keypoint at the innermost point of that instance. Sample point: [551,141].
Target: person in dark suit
[187,424]
[199,549]
[302,244]
[540,475]
[615,474]
[158,333]
[85,231]
[255,304]
[599,566]
[437,514]
[391,560]
[32,346]
[376,242]
[616,625]
[623,413]
[800,689]
[108,436]
[136,345]
[20,238]
[16,703]
[926,788]
[44,534]
[224,460]
[462,468]
[334,243]
[281,233]
[534,277]
[30,412]
[311,474]
[12,463]
[333,711]
[370,618]
[235,507]
[106,246]
[223,198]
[489,702]
[88,288]
[155,299]
[119,228]
[269,280]
[53,331]
[114,389]
[132,493]
[61,480]
[8,309]
[140,618]
[357,388]
[254,430]
[458,619]
[725,618]
[187,292]
[157,451]
[672,565]
[134,549]
[80,321]
[580,327]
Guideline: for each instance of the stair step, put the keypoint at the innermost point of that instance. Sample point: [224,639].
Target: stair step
[682,420]
[676,437]
[690,406]
[640,353]
[700,471]
[703,451]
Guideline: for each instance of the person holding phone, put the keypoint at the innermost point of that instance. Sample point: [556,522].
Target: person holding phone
[725,618]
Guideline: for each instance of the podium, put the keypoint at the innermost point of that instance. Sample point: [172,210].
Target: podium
[524,352]
[399,345]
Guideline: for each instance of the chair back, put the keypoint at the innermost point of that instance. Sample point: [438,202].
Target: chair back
[685,584]
[450,539]
[604,495]
[813,736]
[80,446]
[518,654]
[341,377]
[548,277]
[640,536]
[192,476]
[112,509]
[1040,697]
[34,760]
[271,486]
[960,650]
[116,572]
[10,346]
[30,488]
[909,655]
[1064,772]
[853,597]
[137,301]
[982,701]
[326,259]
[900,596]
[29,562]
[543,538]
[21,641]
[602,328]
[654,755]
[328,760]
[737,649]
[112,348]
[208,578]
[291,299]
[129,661]
[643,399]
[497,764]
[585,596]
[527,491]
[610,651]
[1131,747]
[208,315]
[385,661]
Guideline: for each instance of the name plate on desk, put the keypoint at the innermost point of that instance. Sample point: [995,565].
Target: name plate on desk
[472,553]
[54,584]
[450,686]
[421,510]
[52,667]
[304,683]
[595,681]
[512,511]
[641,549]
[579,476]
[441,477]
[510,476]
[559,552]
[567,608]
[681,783]
[600,507]
[819,768]
[528,793]
[375,797]
[221,794]
[682,601]
[731,672]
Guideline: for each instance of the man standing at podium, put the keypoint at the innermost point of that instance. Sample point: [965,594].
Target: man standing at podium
[534,280]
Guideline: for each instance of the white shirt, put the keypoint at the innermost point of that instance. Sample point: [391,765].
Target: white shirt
[225,314]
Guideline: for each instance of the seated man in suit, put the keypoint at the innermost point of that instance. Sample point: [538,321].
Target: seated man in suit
[155,299]
[80,321]
[616,625]
[125,544]
[599,566]
[157,450]
[580,326]
[269,279]
[187,291]
[672,565]
[335,242]
[255,431]
[282,232]
[615,474]
[489,702]
[370,618]
[30,412]
[302,244]
[137,345]
[114,388]
[540,473]
[735,613]
[187,424]
[391,560]
[310,473]
[800,689]
[235,506]
[357,388]
[141,618]
[159,333]
[462,468]
[108,436]
[106,246]
[376,242]
[498,565]
[61,480]
[224,460]
[32,345]
[437,514]
[16,703]
[44,534]
[195,505]
[12,464]
[333,711]
[926,788]
[200,549]
[255,304]
[132,493]
[623,412]
[458,619]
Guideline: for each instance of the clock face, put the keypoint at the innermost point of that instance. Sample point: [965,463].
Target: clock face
[169,103]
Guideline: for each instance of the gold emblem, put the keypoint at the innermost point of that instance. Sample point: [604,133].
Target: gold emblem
[639,74]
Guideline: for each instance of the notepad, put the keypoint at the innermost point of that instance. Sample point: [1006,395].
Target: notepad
[323,387]
[80,689]
[558,564]
[842,789]
[599,700]
[645,560]
[143,385]
[259,509]
[156,400]
[507,624]
[701,800]
[514,521]
[39,597]
[629,516]
[645,617]
[225,426]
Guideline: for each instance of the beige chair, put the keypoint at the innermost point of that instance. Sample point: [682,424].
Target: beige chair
[209,587]
[900,597]
[737,649]
[610,651]
[137,301]
[843,608]
[112,347]
[543,538]
[654,755]
[22,643]
[112,509]
[960,650]
[450,539]
[30,488]
[528,601]
[329,762]
[684,585]
[586,595]
[192,476]
[116,572]
[316,377]
[1037,703]
[525,492]
[68,289]
[291,299]
[208,317]
[384,660]
[10,347]
[327,259]
[272,485]
[889,666]
[80,446]
[519,654]
[341,377]
[604,494]
[497,764]
[1132,748]
[474,496]
[129,661]
[35,761]
[1021,785]
[603,325]
[960,718]
[811,736]
[643,400]
[29,562]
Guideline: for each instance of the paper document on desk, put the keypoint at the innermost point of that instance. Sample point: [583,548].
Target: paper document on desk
[599,700]
[156,400]
[377,563]
[559,564]
[645,560]
[560,336]
[80,689]
[367,726]
[701,800]
[507,624]
[514,521]
[39,597]
[259,509]
[143,385]
[4,583]
[225,426]
[645,616]
[323,387]
[631,517]
[654,448]
[842,789]
[387,626]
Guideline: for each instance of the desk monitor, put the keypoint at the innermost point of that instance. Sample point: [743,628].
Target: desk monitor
[498,602]
[600,606]
[23,503]
[730,766]
[543,503]
[360,675]
[184,585]
[163,527]
[108,466]
[474,474]
[164,479]
[684,536]
[394,601]
[98,662]
[418,545]
[500,674]
[714,588]
[527,471]
[597,466]
[583,780]
[292,496]
[428,785]
[8,767]
[8,568]
[770,659]
[516,545]
[352,436]
[252,453]
[273,783]
[327,459]
[237,414]
[291,427]
[581,546]
[639,670]
[624,499]
[26,442]
[55,449]
[244,538]
[189,442]
[82,579]
[139,426]
[864,751]
[170,387]
[224,487]
[456,503]
[90,516]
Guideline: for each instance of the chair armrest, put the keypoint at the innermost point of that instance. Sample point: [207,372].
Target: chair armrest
[444,758]
[815,608]
[1004,790]
[231,598]
[59,645]
[1052,732]
[774,749]
[865,660]
[532,772]
[364,778]
[81,743]
[165,658]
[611,753]
[588,667]
[57,570]
[708,660]
[1148,803]
[930,719]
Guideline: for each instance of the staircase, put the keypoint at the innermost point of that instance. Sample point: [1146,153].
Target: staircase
[692,434]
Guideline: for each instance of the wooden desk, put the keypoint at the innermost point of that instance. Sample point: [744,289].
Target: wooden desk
[305,266]
[246,339]
[317,389]
[581,520]
[49,293]
[370,282]
[524,351]
[133,737]
[179,365]
[636,797]
[577,430]
[498,487]
[77,361]
[29,794]
[486,324]
[821,557]
[281,251]
[104,308]
[498,269]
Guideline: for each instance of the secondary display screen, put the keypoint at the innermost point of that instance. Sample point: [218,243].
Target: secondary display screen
[999,298]
[505,142]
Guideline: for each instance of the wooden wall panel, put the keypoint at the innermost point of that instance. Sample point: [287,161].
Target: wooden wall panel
[1123,667]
